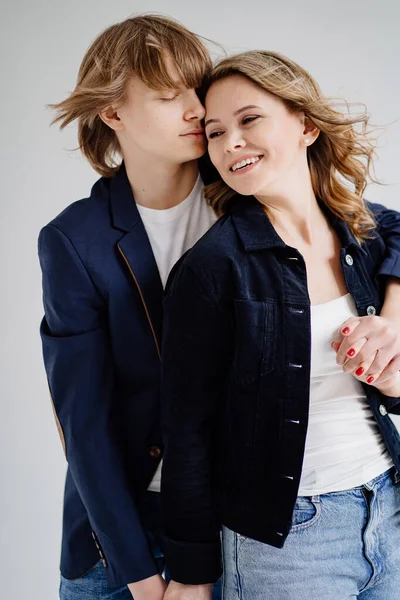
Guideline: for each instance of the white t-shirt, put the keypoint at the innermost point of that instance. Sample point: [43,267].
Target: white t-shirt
[344,447]
[171,233]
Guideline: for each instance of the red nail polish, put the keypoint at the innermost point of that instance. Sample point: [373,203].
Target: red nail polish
[360,371]
[370,379]
[346,330]
[351,352]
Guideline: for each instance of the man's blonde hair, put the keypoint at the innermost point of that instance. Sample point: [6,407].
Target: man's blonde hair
[340,159]
[139,46]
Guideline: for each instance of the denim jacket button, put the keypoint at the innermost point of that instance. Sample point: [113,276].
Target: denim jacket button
[349,260]
[382,410]
[371,311]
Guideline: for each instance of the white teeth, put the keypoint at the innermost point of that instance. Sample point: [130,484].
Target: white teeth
[244,163]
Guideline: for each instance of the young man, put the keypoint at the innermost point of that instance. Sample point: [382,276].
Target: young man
[105,261]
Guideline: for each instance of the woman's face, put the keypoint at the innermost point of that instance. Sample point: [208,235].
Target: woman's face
[245,123]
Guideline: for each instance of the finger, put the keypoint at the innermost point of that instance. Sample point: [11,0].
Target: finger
[350,353]
[374,328]
[349,326]
[390,371]
[367,328]
[335,345]
[370,347]
[383,357]
[362,368]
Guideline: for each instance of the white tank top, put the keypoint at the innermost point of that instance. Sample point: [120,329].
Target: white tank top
[344,448]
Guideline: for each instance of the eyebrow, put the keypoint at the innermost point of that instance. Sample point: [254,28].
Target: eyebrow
[237,112]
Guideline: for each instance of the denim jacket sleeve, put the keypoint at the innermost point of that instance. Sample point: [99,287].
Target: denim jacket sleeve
[388,227]
[195,340]
[80,374]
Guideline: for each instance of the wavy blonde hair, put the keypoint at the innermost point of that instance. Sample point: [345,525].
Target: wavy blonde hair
[139,46]
[340,160]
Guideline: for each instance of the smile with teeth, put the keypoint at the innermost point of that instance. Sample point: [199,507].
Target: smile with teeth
[245,163]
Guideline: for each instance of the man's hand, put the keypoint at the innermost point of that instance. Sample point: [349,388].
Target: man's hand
[178,591]
[152,588]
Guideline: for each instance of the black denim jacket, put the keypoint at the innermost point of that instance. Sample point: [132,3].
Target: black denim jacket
[236,379]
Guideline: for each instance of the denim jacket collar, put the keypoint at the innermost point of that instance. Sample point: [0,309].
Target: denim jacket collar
[257,232]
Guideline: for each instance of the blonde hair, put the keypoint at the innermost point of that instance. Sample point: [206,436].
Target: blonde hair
[138,46]
[340,159]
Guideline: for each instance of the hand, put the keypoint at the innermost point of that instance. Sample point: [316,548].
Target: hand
[369,348]
[152,588]
[179,591]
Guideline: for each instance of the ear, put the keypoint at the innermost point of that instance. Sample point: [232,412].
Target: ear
[110,117]
[310,131]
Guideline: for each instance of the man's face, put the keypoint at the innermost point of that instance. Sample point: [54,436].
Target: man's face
[164,124]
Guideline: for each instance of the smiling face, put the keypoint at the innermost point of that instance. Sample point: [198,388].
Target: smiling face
[254,141]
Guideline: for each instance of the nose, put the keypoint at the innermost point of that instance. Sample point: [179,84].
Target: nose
[195,111]
[233,141]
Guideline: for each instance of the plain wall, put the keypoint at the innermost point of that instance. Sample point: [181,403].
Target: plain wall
[352,47]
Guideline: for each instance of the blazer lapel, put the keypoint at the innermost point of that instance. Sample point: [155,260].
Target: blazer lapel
[136,251]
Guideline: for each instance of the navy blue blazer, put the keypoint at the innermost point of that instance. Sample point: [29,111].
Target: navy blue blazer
[236,381]
[101,344]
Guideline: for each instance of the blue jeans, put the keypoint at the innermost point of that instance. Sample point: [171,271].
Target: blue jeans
[342,545]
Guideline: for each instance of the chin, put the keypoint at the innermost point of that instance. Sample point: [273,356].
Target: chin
[245,189]
[195,154]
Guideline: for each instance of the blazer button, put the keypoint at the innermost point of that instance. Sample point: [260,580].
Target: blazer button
[349,260]
[155,451]
[371,311]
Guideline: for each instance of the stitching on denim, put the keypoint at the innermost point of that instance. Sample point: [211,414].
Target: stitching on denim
[310,522]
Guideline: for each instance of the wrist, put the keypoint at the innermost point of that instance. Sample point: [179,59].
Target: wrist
[151,588]
[390,308]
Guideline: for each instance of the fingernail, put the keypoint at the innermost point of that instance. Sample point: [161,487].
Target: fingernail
[346,330]
[359,371]
[351,352]
[370,379]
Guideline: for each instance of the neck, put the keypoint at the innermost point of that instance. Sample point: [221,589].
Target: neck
[160,185]
[294,212]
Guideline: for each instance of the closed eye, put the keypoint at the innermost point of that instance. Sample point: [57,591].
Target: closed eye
[170,99]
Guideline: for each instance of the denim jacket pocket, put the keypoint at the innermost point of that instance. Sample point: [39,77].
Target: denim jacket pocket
[254,341]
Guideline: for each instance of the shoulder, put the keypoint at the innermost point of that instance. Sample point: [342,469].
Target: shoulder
[215,248]
[87,216]
[207,264]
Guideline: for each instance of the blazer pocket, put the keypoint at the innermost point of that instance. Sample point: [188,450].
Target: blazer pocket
[255,340]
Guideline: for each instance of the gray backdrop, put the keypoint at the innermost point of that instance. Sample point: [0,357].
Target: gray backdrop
[352,47]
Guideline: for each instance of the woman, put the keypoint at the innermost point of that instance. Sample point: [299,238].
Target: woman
[304,471]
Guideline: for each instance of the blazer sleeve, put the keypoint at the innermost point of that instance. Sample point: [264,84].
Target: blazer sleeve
[388,227]
[79,367]
[195,353]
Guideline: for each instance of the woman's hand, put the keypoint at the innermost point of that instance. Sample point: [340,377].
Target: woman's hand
[178,591]
[152,588]
[369,348]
